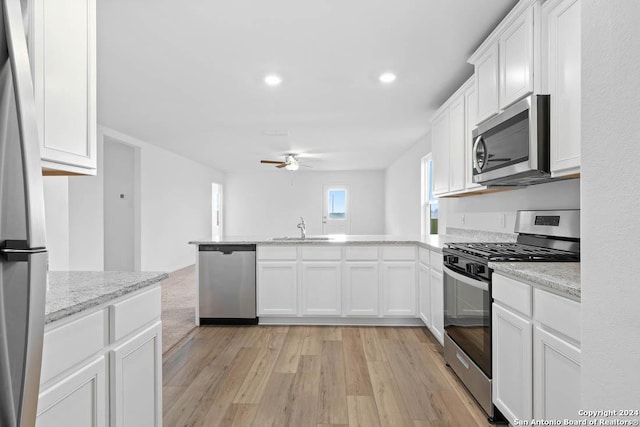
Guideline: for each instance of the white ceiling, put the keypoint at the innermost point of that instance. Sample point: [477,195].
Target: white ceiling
[187,75]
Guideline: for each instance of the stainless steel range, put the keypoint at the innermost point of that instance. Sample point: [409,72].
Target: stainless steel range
[542,236]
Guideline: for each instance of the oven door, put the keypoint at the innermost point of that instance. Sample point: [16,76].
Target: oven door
[467,316]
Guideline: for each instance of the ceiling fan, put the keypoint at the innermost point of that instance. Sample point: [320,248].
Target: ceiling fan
[290,162]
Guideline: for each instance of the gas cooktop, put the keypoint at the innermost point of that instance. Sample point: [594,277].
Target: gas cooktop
[512,252]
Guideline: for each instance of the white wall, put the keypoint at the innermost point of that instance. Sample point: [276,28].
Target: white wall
[56,196]
[610,204]
[402,190]
[271,203]
[174,207]
[497,211]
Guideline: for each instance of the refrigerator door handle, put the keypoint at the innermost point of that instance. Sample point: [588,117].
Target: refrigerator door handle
[27,121]
[35,332]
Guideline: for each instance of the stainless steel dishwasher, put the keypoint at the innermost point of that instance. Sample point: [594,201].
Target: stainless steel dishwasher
[227,284]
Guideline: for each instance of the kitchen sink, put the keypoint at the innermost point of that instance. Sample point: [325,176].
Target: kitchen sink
[310,238]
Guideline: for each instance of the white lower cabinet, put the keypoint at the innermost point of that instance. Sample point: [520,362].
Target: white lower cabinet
[556,382]
[437,305]
[321,285]
[536,354]
[361,288]
[512,364]
[136,389]
[339,281]
[78,400]
[277,288]
[399,288]
[424,280]
[92,378]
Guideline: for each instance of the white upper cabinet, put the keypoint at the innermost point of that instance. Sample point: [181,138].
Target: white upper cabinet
[507,61]
[456,144]
[471,118]
[486,72]
[448,144]
[62,43]
[561,40]
[440,152]
[516,60]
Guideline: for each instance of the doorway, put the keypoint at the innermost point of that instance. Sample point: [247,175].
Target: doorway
[120,201]
[216,208]
[336,209]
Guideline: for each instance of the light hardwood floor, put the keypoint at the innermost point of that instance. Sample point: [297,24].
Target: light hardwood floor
[312,376]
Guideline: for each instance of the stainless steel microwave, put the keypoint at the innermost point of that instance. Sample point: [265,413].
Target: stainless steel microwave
[512,148]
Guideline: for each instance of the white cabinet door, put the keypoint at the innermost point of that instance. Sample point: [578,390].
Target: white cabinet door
[516,60]
[440,152]
[361,288]
[79,400]
[437,305]
[277,288]
[486,70]
[136,380]
[399,288]
[556,386]
[456,144]
[563,30]
[424,275]
[512,365]
[63,50]
[321,286]
[471,118]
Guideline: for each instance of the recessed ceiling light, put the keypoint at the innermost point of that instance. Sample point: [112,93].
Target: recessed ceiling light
[387,77]
[273,80]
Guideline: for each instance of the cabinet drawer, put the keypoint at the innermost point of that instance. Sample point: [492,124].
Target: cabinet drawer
[361,253]
[321,253]
[558,313]
[425,256]
[436,261]
[399,253]
[512,293]
[72,343]
[277,253]
[133,313]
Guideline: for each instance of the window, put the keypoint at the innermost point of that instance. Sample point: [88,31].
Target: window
[337,204]
[429,202]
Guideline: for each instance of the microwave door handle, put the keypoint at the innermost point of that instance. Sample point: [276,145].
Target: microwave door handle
[467,280]
[476,160]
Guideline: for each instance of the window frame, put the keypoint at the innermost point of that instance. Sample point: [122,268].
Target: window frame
[427,199]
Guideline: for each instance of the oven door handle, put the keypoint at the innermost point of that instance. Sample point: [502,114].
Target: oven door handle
[467,280]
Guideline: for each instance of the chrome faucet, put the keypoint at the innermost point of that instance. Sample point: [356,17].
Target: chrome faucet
[303,228]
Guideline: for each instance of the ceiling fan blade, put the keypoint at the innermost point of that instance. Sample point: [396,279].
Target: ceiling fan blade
[305,166]
[274,162]
[281,165]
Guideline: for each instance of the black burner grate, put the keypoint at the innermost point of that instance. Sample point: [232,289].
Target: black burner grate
[513,251]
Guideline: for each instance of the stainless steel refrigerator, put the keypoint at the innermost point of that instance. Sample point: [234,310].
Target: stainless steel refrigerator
[23,257]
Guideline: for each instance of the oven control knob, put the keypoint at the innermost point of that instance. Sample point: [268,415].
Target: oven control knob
[451,259]
[480,269]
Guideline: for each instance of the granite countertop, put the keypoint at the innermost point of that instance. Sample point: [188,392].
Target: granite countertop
[562,278]
[71,292]
[433,242]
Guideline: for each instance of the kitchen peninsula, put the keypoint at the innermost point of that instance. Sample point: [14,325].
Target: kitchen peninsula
[366,280]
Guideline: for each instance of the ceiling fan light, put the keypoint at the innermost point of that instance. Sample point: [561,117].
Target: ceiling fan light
[273,80]
[292,166]
[387,77]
